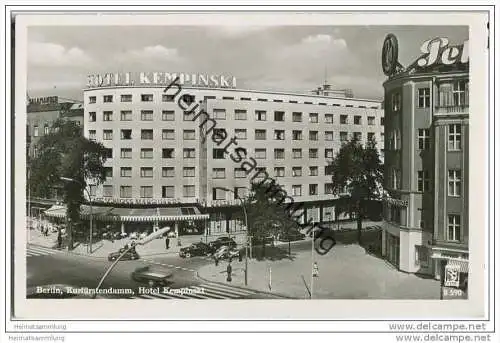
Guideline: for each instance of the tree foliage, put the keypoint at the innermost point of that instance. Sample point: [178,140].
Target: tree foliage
[357,171]
[65,152]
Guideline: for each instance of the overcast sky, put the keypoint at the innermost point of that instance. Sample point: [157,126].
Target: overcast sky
[286,58]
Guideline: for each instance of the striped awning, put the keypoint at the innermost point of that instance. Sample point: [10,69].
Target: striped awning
[461,265]
[132,215]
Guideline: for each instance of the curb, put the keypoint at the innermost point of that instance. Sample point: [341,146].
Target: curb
[244,288]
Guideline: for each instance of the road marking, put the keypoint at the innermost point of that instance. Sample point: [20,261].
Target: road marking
[237,292]
[39,251]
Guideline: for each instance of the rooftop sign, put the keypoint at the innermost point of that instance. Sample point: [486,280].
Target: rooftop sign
[438,51]
[160,79]
[44,100]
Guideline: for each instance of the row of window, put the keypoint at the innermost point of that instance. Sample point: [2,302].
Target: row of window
[220,114]
[259,134]
[424,138]
[217,173]
[189,191]
[171,98]
[424,181]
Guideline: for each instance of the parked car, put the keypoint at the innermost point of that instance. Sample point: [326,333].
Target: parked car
[292,236]
[130,255]
[195,249]
[225,252]
[222,241]
[153,276]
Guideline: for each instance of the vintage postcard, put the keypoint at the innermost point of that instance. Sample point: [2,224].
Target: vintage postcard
[231,165]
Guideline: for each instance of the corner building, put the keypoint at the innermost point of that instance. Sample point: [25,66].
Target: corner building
[427,168]
[158,155]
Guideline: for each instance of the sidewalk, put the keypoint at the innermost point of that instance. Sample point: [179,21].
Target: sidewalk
[347,272]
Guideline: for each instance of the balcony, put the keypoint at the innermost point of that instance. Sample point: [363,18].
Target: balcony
[452,109]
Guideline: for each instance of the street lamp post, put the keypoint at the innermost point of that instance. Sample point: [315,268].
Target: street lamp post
[246,225]
[68,179]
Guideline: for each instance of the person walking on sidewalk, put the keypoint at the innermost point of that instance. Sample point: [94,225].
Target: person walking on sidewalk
[59,240]
[167,243]
[229,271]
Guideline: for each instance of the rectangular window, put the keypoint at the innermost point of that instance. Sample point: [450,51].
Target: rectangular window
[188,191]
[108,152]
[92,99]
[168,192]
[454,137]
[168,97]
[126,171]
[126,153]
[126,134]
[313,117]
[218,154]
[126,98]
[108,98]
[168,172]
[260,153]
[92,134]
[396,101]
[189,134]
[227,98]
[279,116]
[328,188]
[313,189]
[146,153]
[396,178]
[424,97]
[313,153]
[219,133]
[107,134]
[371,120]
[313,171]
[329,170]
[146,172]
[36,133]
[147,97]
[260,134]
[188,172]
[296,190]
[107,116]
[147,134]
[279,135]
[423,181]
[370,136]
[329,118]
[454,183]
[454,228]
[423,139]
[343,119]
[168,153]
[168,134]
[146,191]
[218,193]
[297,117]
[381,120]
[357,120]
[220,114]
[107,191]
[297,135]
[125,191]
[240,133]
[279,171]
[46,129]
[108,172]
[313,135]
[125,115]
[328,135]
[279,154]
[240,114]
[357,136]
[328,153]
[260,115]
[297,153]
[146,115]
[459,94]
[219,173]
[189,153]
[344,137]
[239,173]
[296,171]
[92,116]
[168,115]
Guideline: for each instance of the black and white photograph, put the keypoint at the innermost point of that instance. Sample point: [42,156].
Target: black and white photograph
[183,163]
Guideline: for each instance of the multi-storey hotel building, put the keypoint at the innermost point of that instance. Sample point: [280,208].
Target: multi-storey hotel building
[159,156]
[426,160]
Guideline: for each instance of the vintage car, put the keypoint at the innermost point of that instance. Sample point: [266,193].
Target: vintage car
[226,252]
[130,255]
[153,276]
[195,249]
[222,241]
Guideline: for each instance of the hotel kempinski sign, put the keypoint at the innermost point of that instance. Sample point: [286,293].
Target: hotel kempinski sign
[160,79]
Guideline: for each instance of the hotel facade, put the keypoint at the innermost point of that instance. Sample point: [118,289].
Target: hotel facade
[427,160]
[160,158]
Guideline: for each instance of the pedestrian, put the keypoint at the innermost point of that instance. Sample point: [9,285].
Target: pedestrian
[229,271]
[59,240]
[216,261]
[315,270]
[167,243]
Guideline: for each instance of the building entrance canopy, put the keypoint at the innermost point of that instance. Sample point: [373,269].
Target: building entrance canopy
[132,215]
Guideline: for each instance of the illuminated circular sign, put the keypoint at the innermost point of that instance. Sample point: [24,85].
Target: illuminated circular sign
[390,54]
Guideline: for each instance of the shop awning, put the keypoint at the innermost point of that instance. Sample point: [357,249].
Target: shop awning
[132,215]
[461,265]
